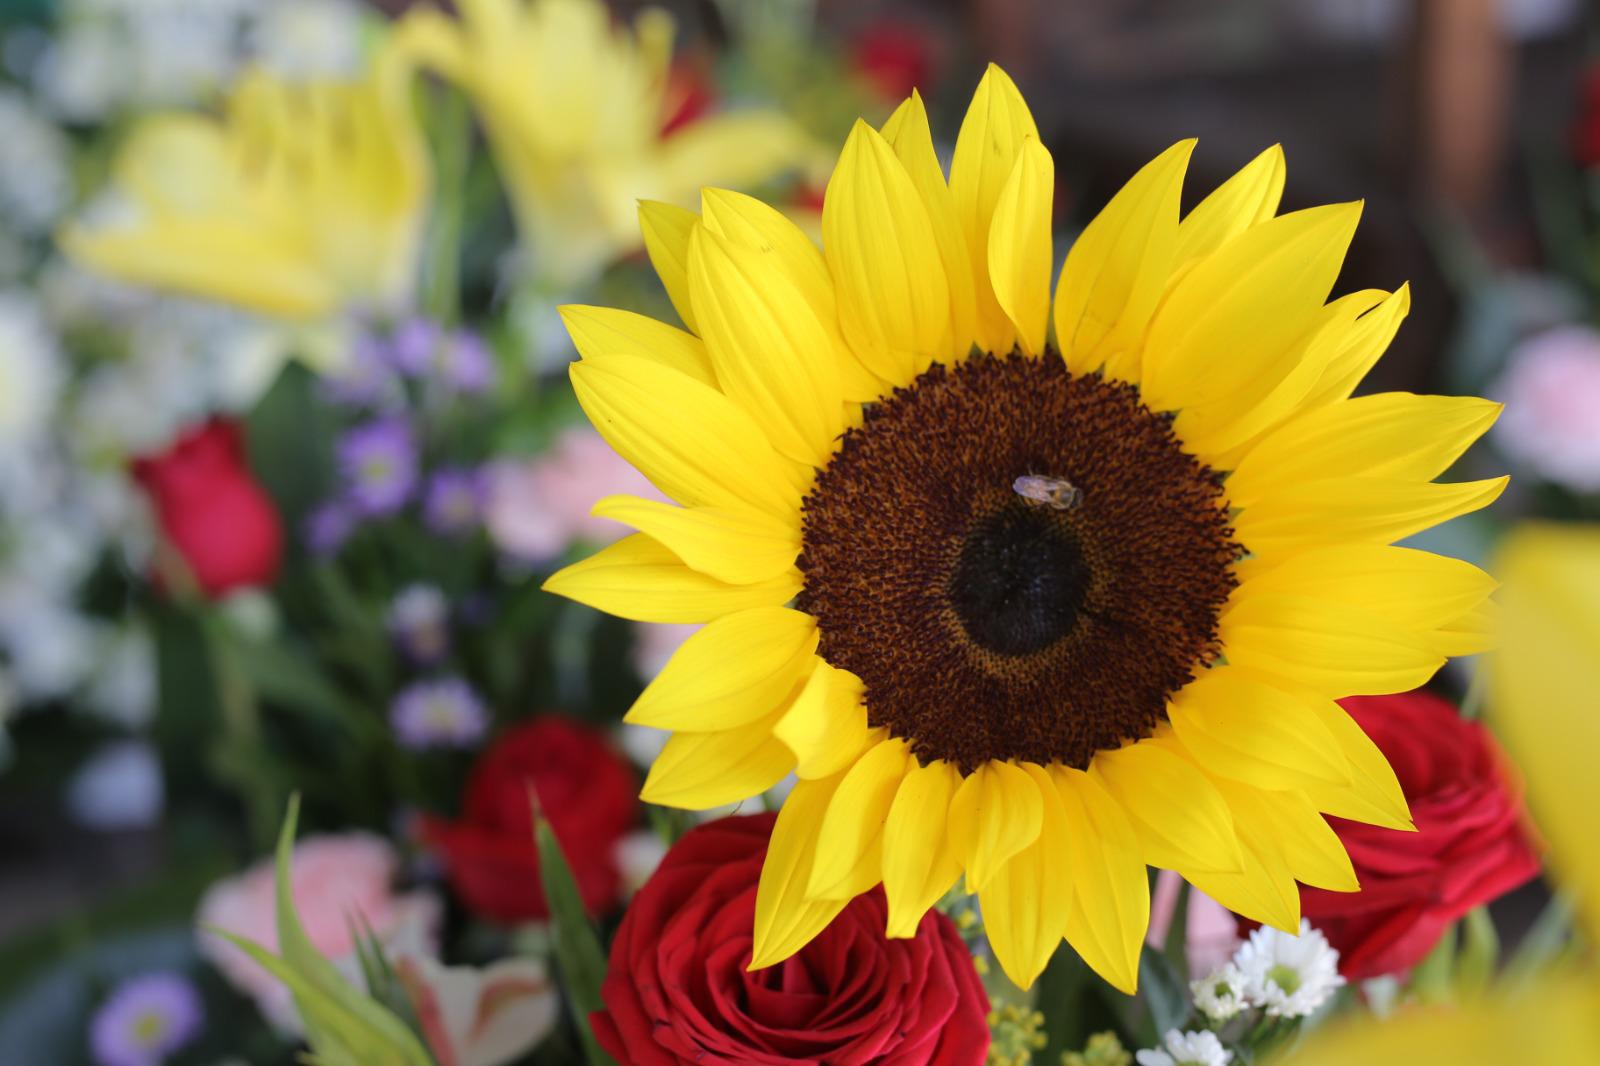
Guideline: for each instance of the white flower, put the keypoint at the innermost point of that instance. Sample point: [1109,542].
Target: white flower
[119,787]
[1291,976]
[1187,1049]
[637,855]
[31,370]
[35,167]
[308,38]
[122,688]
[1221,994]
[481,1017]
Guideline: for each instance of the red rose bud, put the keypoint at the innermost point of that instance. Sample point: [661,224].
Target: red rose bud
[1469,848]
[212,510]
[679,991]
[893,57]
[585,791]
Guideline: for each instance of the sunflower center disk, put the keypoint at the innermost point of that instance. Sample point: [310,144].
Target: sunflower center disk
[1018,563]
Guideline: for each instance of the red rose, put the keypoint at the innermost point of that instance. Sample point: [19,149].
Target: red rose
[585,791]
[689,97]
[1586,127]
[212,510]
[678,991]
[893,57]
[1469,847]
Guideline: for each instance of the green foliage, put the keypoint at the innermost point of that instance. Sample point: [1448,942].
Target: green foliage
[577,949]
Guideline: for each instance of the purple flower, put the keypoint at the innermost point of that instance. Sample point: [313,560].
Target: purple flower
[444,713]
[453,500]
[367,378]
[419,622]
[379,462]
[329,526]
[145,1020]
[414,346]
[465,363]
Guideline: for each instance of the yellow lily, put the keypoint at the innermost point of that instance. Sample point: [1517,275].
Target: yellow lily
[304,200]
[573,108]
[1546,702]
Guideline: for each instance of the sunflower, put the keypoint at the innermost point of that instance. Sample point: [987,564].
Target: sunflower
[1039,611]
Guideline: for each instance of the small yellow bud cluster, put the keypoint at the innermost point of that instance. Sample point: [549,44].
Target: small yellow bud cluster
[1018,1031]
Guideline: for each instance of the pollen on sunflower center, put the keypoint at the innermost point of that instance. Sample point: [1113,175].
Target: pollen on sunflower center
[988,622]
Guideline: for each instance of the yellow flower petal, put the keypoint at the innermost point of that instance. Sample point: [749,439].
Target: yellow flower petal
[1019,245]
[1118,268]
[698,771]
[919,865]
[826,726]
[1373,510]
[1334,648]
[1237,727]
[1230,324]
[690,440]
[1389,434]
[786,918]
[1110,907]
[1263,890]
[894,301]
[1360,347]
[995,813]
[640,578]
[1180,818]
[1247,199]
[1310,846]
[1027,902]
[731,672]
[996,124]
[852,830]
[601,331]
[738,545]
[1374,795]
[769,350]
[666,229]
[908,134]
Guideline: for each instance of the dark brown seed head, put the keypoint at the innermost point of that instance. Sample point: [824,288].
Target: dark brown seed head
[985,622]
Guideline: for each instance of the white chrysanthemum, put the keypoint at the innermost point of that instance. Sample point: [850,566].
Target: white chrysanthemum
[35,169]
[1290,976]
[1187,1049]
[1221,994]
[30,370]
[308,38]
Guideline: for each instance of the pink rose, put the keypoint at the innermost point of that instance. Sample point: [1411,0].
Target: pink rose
[1551,390]
[336,879]
[536,507]
[1211,932]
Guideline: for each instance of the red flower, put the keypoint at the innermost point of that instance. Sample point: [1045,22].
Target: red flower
[585,790]
[893,57]
[678,991]
[212,510]
[690,96]
[1586,128]
[1469,847]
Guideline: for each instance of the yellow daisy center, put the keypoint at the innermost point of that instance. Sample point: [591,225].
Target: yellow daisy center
[1018,562]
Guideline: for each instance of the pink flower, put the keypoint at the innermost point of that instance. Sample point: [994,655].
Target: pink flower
[1211,934]
[337,880]
[473,1017]
[1551,390]
[536,507]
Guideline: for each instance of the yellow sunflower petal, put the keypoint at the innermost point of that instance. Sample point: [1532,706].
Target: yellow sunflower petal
[641,579]
[692,442]
[786,919]
[1247,199]
[908,134]
[666,229]
[731,672]
[894,300]
[770,352]
[698,771]
[852,829]
[995,813]
[1180,818]
[600,331]
[738,545]
[1019,245]
[1374,794]
[1334,648]
[826,726]
[1360,347]
[1231,322]
[1263,890]
[1389,434]
[919,865]
[1026,904]
[1373,510]
[1238,727]
[1117,269]
[996,124]
[1310,846]
[1110,907]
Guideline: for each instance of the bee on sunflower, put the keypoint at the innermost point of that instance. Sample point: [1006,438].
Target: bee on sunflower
[1035,594]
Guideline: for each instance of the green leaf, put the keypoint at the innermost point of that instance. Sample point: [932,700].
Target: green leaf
[1431,978]
[1176,947]
[577,949]
[290,440]
[1164,991]
[1480,950]
[1543,943]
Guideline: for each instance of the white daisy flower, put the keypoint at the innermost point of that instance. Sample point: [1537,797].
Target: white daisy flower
[1187,1049]
[1220,994]
[1291,976]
